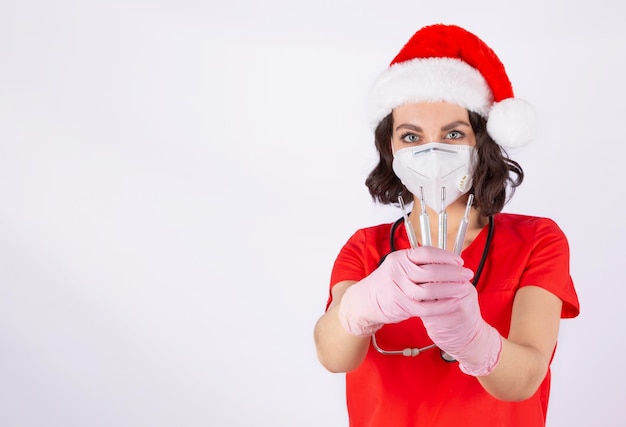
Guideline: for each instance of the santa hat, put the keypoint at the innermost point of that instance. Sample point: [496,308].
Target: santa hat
[448,63]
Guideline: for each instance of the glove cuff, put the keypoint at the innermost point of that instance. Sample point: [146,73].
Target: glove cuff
[355,325]
[350,318]
[488,346]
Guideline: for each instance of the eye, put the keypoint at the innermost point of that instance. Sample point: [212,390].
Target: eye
[410,138]
[455,134]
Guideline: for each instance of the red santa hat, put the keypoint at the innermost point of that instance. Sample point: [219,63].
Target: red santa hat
[448,63]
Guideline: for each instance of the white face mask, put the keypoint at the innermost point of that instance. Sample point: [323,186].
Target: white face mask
[434,166]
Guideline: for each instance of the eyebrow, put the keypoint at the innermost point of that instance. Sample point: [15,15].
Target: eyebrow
[409,126]
[452,125]
[444,128]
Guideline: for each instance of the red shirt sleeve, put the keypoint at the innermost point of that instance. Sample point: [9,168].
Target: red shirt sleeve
[362,252]
[548,266]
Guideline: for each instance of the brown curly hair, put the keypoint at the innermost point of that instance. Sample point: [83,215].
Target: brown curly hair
[495,177]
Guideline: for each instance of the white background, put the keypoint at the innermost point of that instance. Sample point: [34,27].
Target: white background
[177,177]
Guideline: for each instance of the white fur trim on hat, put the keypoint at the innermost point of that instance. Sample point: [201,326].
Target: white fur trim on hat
[428,80]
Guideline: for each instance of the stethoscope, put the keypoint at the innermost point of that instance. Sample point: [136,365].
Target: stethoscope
[479,270]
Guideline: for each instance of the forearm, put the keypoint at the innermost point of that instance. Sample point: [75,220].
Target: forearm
[518,374]
[526,353]
[337,350]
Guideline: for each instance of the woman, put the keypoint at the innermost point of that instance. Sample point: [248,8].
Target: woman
[464,336]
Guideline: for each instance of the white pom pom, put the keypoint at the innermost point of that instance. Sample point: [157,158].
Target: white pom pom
[512,123]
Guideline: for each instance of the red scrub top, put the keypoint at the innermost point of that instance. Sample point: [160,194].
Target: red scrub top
[425,390]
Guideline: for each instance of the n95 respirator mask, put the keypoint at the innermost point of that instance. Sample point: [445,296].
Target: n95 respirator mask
[433,166]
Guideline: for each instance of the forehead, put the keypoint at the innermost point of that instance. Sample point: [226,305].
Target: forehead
[430,112]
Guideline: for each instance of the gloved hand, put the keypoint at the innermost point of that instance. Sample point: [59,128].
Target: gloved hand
[394,291]
[455,325]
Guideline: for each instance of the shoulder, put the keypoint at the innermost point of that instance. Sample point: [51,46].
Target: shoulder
[530,237]
[522,220]
[526,225]
[372,233]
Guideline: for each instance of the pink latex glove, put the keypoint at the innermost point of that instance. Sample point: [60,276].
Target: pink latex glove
[393,292]
[453,321]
